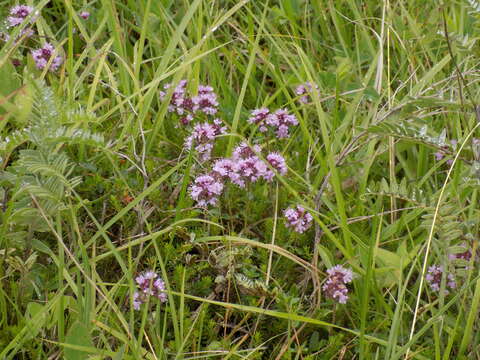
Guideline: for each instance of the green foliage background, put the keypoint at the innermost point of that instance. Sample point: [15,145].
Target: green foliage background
[94,181]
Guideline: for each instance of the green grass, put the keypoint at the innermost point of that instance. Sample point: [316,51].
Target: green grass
[94,181]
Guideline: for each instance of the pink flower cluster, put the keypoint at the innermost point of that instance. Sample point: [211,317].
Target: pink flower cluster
[248,167]
[42,57]
[280,121]
[434,278]
[187,106]
[203,138]
[150,284]
[84,15]
[206,189]
[304,91]
[18,14]
[245,166]
[298,218]
[335,286]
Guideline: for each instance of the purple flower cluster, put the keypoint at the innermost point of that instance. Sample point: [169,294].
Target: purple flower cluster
[205,101]
[434,278]
[187,106]
[150,284]
[259,117]
[280,121]
[18,14]
[298,218]
[250,168]
[335,286]
[277,162]
[304,91]
[203,137]
[42,57]
[245,166]
[206,189]
[84,15]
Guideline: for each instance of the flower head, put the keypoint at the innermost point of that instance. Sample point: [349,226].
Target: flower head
[186,106]
[149,284]
[227,169]
[335,285]
[244,151]
[434,278]
[179,102]
[278,163]
[250,169]
[42,57]
[258,117]
[298,218]
[84,15]
[205,101]
[18,14]
[304,91]
[203,137]
[206,189]
[281,121]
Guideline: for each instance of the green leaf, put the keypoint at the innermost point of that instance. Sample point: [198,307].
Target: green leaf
[78,334]
[10,82]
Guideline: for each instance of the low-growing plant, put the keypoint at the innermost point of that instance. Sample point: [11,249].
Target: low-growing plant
[239,180]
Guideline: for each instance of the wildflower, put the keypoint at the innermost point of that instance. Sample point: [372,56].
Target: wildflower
[335,285]
[185,120]
[244,151]
[258,117]
[298,218]
[219,127]
[150,284]
[227,169]
[304,90]
[281,121]
[84,15]
[434,278]
[278,163]
[205,89]
[251,169]
[205,190]
[203,136]
[205,101]
[42,57]
[179,102]
[18,14]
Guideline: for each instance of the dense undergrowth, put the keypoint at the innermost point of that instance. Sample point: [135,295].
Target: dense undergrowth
[283,179]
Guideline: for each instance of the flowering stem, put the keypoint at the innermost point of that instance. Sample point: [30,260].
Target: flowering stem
[275,216]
